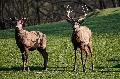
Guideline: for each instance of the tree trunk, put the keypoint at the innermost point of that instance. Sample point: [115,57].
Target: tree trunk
[2,7]
[37,11]
[113,2]
[102,4]
[119,3]
[23,10]
[16,6]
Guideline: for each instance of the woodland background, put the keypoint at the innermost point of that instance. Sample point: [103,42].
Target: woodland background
[42,11]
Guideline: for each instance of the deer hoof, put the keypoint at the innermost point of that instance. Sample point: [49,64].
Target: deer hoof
[74,69]
[92,67]
[84,68]
[45,68]
[27,68]
[23,69]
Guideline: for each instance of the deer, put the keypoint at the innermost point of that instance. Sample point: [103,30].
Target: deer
[81,37]
[30,41]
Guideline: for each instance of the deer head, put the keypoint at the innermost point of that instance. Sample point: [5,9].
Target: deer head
[72,20]
[20,24]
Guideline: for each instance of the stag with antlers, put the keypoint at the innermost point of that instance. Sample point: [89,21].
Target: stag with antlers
[81,37]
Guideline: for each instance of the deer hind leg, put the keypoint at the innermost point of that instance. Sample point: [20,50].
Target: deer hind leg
[45,56]
[84,65]
[75,59]
[90,49]
[26,60]
[82,59]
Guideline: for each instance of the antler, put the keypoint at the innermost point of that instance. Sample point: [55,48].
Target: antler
[69,11]
[71,19]
[85,14]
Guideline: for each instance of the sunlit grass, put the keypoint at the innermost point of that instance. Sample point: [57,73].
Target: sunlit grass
[106,50]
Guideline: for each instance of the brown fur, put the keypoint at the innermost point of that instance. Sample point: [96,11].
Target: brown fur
[29,41]
[82,38]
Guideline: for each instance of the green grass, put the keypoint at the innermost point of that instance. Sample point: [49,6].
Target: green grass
[106,51]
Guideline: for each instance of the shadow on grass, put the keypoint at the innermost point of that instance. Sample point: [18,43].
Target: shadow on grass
[36,68]
[17,68]
[10,69]
[114,68]
[60,69]
[104,24]
[114,60]
[107,69]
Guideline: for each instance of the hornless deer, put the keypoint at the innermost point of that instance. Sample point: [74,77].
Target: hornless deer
[81,38]
[29,41]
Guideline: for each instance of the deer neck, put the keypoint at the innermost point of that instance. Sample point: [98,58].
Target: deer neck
[19,29]
[76,30]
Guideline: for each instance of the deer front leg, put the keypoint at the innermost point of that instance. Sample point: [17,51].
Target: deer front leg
[84,66]
[90,49]
[92,62]
[26,60]
[82,60]
[45,56]
[74,60]
[23,59]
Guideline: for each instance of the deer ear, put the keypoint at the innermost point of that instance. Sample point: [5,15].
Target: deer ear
[80,21]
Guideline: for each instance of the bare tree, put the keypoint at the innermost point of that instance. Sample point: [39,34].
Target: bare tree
[114,2]
[2,8]
[102,4]
[119,3]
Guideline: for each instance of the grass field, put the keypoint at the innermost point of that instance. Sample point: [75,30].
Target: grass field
[106,51]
